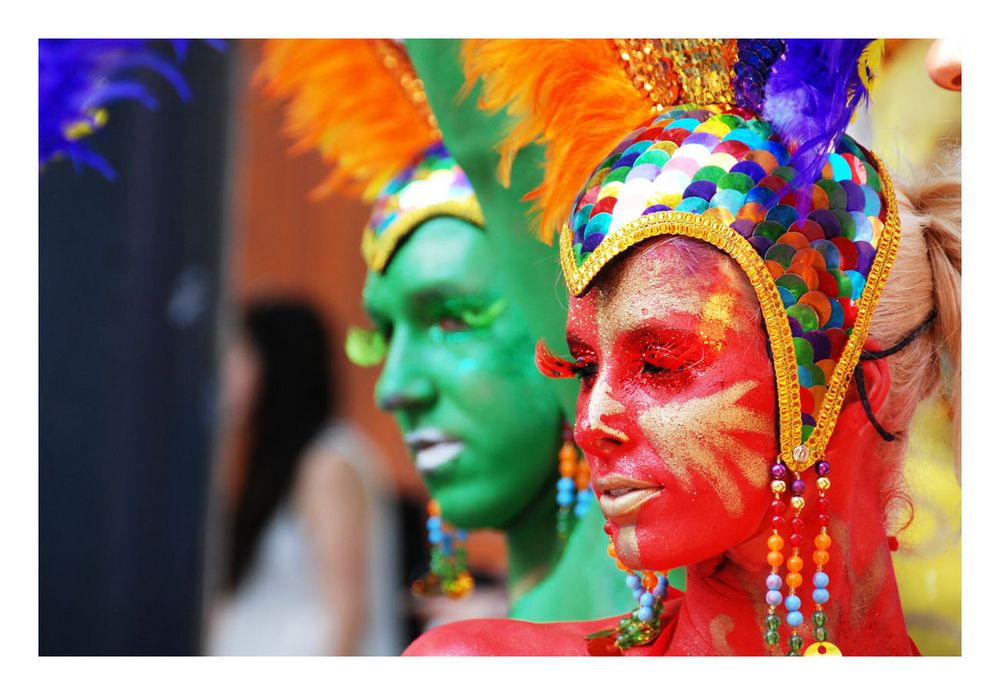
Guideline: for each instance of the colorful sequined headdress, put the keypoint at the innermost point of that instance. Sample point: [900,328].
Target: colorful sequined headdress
[760,169]
[359,102]
[741,144]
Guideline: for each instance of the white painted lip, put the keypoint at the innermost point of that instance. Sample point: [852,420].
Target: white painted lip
[432,448]
[620,497]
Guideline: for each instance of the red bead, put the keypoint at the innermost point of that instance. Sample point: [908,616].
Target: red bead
[823,504]
[824,519]
[777,522]
[777,507]
[796,539]
[607,527]
[798,524]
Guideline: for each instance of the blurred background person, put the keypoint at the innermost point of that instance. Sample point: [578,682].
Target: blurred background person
[310,556]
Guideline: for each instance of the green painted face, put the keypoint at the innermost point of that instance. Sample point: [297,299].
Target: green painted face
[482,423]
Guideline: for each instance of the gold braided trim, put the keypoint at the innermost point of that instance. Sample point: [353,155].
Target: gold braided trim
[397,62]
[377,250]
[733,244]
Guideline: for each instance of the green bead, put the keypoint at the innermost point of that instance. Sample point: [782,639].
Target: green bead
[795,642]
[792,652]
[820,634]
[819,618]
[772,621]
[771,636]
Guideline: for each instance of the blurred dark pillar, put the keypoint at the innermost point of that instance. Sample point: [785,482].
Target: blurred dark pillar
[129,289]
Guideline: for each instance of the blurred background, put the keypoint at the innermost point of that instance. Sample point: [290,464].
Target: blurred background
[150,366]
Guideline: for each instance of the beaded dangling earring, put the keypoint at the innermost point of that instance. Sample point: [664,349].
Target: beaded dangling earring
[642,625]
[448,573]
[573,493]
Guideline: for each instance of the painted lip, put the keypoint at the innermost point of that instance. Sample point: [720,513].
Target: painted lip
[433,448]
[620,497]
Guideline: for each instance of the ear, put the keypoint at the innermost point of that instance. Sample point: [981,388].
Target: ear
[877,383]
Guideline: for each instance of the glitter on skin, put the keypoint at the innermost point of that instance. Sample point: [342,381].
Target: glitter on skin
[695,436]
[719,628]
[627,546]
[602,403]
[642,292]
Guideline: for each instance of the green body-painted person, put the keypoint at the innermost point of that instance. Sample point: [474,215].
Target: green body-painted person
[471,134]
[454,329]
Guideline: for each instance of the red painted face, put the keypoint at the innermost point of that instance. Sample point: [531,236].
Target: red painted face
[676,412]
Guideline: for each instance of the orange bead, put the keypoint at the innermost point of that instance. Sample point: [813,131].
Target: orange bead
[567,469]
[649,581]
[620,565]
[774,558]
[775,542]
[821,557]
[582,478]
[611,550]
[793,579]
[433,508]
[795,563]
[823,541]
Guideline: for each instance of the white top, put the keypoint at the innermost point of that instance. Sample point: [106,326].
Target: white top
[278,608]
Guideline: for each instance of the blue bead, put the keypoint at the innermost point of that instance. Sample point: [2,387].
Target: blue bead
[433,523]
[581,509]
[820,580]
[773,598]
[660,591]
[773,581]
[565,484]
[794,619]
[633,581]
[564,498]
[636,593]
[793,602]
[647,599]
[646,614]
[461,534]
[435,536]
[663,581]
[821,595]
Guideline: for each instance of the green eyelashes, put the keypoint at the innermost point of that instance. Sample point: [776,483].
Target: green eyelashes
[479,316]
[365,347]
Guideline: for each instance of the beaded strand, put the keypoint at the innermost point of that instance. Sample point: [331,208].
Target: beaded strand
[821,556]
[775,543]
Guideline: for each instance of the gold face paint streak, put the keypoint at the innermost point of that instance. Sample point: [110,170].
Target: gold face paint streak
[718,315]
[693,437]
[626,546]
[719,628]
[602,403]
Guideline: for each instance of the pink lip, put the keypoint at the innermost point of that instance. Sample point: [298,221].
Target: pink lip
[620,497]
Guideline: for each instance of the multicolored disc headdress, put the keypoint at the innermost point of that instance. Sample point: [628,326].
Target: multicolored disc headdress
[763,172]
[433,186]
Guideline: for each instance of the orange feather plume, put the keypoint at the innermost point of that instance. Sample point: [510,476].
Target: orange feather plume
[345,99]
[571,95]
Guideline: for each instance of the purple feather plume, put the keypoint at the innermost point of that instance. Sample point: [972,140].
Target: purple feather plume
[810,97]
[78,77]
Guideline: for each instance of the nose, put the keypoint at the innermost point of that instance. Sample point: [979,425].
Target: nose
[601,423]
[944,64]
[404,384]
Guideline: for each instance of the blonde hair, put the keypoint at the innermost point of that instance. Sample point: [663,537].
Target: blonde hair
[926,277]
